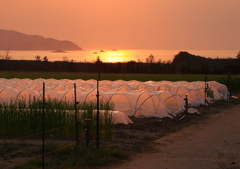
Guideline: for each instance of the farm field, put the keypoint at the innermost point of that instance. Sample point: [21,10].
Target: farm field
[127,142]
[128,139]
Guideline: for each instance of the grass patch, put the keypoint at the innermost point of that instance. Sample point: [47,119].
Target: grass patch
[36,163]
[78,157]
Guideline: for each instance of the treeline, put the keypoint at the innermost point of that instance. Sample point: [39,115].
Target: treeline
[183,63]
[129,67]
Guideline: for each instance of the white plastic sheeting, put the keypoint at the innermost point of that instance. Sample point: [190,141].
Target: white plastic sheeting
[222,89]
[117,116]
[134,98]
[138,104]
[183,91]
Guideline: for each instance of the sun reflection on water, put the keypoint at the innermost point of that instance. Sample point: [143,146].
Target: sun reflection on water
[116,56]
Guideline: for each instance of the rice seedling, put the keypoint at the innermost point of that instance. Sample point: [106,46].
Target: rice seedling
[21,118]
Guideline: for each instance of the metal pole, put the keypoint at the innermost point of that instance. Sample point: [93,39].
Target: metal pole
[97,125]
[87,128]
[228,85]
[76,115]
[186,100]
[205,91]
[43,123]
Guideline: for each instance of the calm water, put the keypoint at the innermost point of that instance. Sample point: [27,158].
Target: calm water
[115,56]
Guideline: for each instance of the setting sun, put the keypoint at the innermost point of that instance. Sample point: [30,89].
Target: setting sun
[114,59]
[115,56]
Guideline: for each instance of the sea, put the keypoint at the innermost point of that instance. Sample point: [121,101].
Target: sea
[112,55]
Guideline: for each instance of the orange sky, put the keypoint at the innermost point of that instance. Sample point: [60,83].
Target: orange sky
[129,24]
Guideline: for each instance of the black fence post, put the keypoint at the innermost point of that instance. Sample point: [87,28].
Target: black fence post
[229,86]
[76,113]
[43,125]
[205,91]
[97,124]
[186,103]
[87,128]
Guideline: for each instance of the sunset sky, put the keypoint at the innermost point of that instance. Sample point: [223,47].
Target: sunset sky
[129,24]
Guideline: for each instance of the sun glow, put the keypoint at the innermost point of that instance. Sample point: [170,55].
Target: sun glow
[115,56]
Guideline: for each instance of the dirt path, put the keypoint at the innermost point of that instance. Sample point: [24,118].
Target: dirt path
[214,144]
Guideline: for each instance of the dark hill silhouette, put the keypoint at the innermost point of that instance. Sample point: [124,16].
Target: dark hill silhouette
[187,58]
[14,40]
[185,62]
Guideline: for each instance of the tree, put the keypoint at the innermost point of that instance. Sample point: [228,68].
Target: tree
[38,58]
[238,56]
[45,59]
[150,59]
[6,56]
[98,60]
[65,58]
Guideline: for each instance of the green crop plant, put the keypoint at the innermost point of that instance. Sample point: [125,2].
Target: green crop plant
[22,118]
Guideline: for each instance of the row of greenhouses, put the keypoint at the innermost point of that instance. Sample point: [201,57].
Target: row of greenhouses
[134,98]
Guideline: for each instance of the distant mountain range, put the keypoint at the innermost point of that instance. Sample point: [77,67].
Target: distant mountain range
[14,40]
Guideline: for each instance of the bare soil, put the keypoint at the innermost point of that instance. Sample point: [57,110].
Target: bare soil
[169,143]
[210,140]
